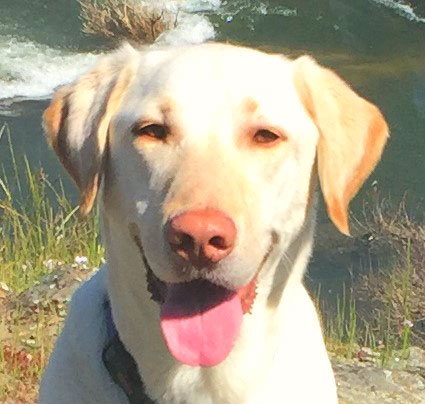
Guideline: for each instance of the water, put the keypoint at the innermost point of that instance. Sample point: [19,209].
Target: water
[376,45]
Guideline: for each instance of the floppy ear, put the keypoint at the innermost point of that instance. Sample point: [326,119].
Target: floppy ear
[77,121]
[352,136]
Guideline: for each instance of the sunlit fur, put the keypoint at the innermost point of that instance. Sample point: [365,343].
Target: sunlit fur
[213,98]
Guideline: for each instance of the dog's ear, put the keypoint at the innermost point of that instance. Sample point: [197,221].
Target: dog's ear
[77,120]
[352,135]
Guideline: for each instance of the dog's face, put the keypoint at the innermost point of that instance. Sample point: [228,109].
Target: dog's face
[209,156]
[196,133]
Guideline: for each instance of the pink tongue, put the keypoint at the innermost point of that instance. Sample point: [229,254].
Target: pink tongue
[200,322]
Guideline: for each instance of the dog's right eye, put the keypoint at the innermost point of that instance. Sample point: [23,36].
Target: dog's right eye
[153,130]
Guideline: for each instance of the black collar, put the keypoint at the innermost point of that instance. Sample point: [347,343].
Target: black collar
[121,365]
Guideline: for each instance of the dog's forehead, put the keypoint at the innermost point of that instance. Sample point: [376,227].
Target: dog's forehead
[205,72]
[213,88]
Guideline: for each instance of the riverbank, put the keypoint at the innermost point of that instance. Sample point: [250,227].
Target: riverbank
[32,320]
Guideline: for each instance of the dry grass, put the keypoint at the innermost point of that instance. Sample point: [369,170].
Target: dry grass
[383,306]
[397,293]
[26,341]
[125,20]
[30,323]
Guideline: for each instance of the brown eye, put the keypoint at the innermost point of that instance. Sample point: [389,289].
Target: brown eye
[264,136]
[154,130]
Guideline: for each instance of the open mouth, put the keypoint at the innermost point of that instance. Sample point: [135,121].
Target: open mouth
[200,321]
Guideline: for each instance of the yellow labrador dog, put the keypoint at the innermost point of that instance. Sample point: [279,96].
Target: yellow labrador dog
[205,159]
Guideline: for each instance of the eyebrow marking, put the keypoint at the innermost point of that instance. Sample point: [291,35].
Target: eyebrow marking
[249,105]
[166,107]
[160,115]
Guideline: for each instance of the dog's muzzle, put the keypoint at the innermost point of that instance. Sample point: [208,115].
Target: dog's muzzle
[200,321]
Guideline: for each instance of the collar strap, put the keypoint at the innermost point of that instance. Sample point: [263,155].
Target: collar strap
[121,365]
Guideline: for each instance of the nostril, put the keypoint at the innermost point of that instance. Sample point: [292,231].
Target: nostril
[186,242]
[181,240]
[182,243]
[218,242]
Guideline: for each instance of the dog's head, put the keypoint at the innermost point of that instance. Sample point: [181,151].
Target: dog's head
[208,156]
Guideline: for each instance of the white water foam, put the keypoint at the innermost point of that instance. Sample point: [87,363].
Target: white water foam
[31,70]
[402,9]
[267,9]
[196,6]
[28,69]
[255,7]
[192,26]
[191,29]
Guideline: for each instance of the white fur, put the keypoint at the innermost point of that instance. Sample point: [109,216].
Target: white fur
[75,374]
[210,161]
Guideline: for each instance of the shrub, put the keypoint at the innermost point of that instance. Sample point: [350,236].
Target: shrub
[125,20]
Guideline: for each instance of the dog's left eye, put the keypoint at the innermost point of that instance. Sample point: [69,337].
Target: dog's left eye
[154,130]
[264,136]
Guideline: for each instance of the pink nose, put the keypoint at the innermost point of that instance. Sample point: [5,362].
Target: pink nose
[202,237]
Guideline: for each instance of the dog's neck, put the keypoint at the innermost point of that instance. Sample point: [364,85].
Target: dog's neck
[136,317]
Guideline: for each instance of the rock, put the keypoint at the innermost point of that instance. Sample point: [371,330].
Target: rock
[360,383]
[416,358]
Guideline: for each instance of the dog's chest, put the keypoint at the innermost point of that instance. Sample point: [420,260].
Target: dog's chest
[189,387]
[237,380]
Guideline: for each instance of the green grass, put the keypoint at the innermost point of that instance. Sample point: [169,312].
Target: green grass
[38,224]
[387,330]
[341,326]
[39,229]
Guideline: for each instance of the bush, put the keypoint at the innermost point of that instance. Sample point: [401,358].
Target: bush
[125,20]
